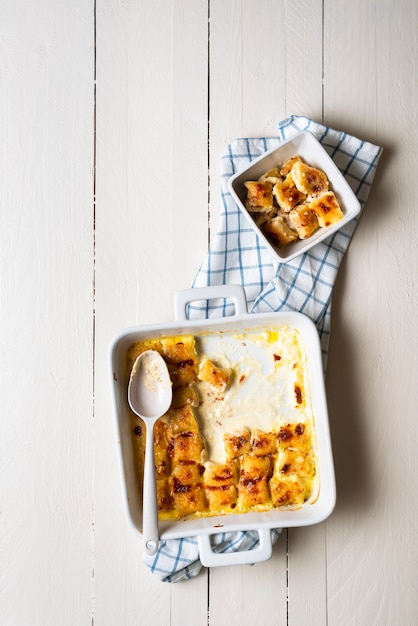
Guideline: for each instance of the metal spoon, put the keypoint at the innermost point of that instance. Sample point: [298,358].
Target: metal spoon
[149,396]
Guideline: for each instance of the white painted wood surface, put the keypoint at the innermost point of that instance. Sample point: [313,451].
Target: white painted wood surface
[175,83]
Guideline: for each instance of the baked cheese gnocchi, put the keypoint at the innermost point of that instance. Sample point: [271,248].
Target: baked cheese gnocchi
[292,201]
[260,469]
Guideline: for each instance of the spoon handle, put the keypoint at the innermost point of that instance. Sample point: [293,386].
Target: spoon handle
[149,507]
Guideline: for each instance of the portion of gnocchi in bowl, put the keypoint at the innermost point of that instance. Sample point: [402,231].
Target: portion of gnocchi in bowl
[292,201]
[294,196]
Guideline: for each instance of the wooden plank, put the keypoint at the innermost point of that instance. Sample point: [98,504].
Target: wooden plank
[190,207]
[272,69]
[306,546]
[371,539]
[46,265]
[307,575]
[189,161]
[247,79]
[131,123]
[303,58]
[266,75]
[249,594]
[151,233]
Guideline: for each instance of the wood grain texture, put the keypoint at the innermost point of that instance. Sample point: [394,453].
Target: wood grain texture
[247,82]
[151,235]
[266,76]
[236,595]
[371,545]
[46,265]
[175,83]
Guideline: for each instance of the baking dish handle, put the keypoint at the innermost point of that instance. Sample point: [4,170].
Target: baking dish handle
[232,292]
[209,558]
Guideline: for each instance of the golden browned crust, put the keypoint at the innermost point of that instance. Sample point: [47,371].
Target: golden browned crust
[292,202]
[287,167]
[182,420]
[287,194]
[272,176]
[303,220]
[262,469]
[237,444]
[259,194]
[219,377]
[309,180]
[327,209]
[263,443]
[278,231]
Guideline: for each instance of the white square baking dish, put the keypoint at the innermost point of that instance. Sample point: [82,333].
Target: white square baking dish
[322,501]
[312,152]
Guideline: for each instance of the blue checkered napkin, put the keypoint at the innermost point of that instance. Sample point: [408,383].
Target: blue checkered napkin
[304,284]
[178,559]
[238,256]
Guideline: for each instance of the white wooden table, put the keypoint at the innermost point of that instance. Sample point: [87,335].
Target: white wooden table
[113,118]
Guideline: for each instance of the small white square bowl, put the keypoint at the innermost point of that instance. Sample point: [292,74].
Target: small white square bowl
[311,151]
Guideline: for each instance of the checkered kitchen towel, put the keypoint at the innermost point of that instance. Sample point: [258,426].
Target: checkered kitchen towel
[305,284]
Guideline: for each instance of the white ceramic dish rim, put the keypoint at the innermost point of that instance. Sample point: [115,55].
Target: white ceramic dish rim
[310,513]
[312,152]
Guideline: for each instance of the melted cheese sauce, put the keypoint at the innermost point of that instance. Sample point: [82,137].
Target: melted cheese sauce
[268,387]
